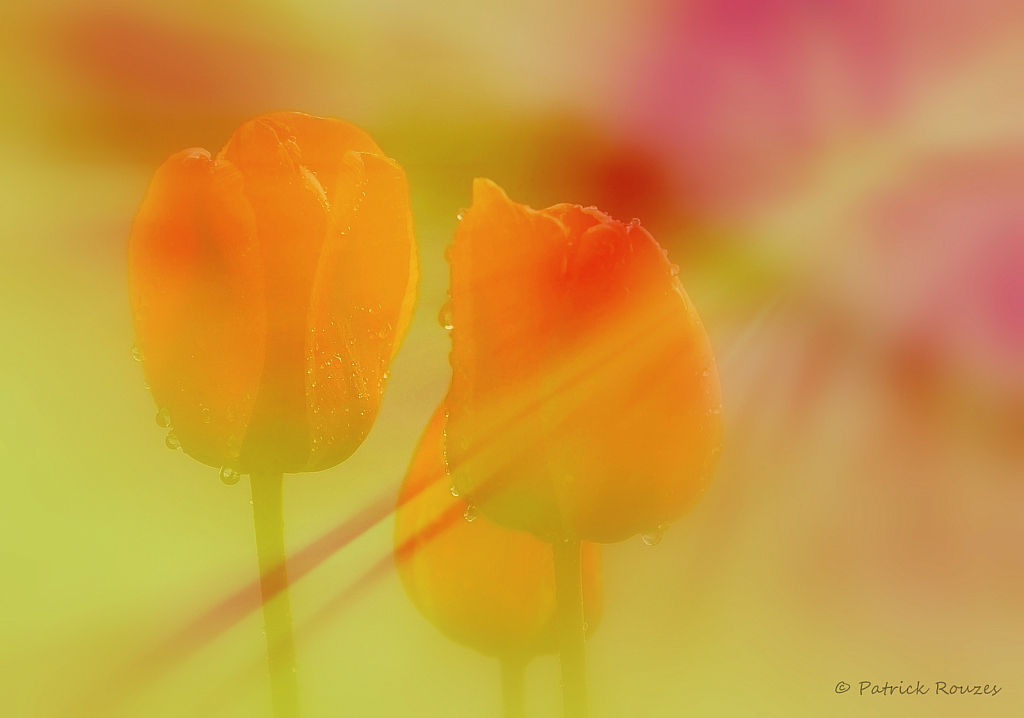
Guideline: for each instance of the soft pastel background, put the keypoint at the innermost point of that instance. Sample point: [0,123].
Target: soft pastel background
[842,183]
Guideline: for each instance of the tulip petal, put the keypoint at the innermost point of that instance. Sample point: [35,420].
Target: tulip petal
[505,262]
[196,287]
[365,283]
[482,585]
[310,227]
[585,402]
[291,211]
[322,143]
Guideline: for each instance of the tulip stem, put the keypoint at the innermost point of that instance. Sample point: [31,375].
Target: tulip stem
[513,686]
[572,638]
[268,519]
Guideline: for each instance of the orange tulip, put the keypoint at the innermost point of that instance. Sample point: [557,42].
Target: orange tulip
[270,288]
[482,585]
[585,402]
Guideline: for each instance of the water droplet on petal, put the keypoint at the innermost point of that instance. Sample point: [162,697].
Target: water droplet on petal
[229,476]
[654,537]
[707,372]
[455,491]
[462,214]
[172,442]
[385,330]
[136,352]
[470,513]
[163,418]
[444,316]
[206,414]
[145,384]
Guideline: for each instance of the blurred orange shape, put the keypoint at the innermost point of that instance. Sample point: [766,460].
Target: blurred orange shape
[485,586]
[585,402]
[270,288]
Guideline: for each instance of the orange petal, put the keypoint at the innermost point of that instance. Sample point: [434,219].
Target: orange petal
[312,230]
[196,286]
[366,281]
[484,586]
[584,402]
[322,143]
[291,211]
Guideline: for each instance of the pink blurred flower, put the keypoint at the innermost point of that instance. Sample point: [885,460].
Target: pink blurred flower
[742,94]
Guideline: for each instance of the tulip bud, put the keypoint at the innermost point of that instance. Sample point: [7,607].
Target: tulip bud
[485,586]
[584,402]
[270,288]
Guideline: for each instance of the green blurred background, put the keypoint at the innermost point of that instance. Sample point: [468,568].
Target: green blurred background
[842,186]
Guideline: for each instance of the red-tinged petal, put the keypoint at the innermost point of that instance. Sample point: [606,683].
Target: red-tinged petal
[291,211]
[505,262]
[484,586]
[584,399]
[196,286]
[576,219]
[364,285]
[638,432]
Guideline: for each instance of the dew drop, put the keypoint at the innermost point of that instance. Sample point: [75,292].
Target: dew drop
[172,442]
[163,418]
[444,445]
[136,352]
[462,214]
[707,372]
[444,316]
[229,476]
[206,414]
[383,333]
[455,491]
[654,537]
[145,384]
[470,513]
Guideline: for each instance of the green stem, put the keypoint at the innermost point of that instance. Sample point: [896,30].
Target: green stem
[268,519]
[572,640]
[513,686]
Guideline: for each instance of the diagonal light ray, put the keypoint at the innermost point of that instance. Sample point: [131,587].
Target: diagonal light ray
[614,349]
[341,602]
